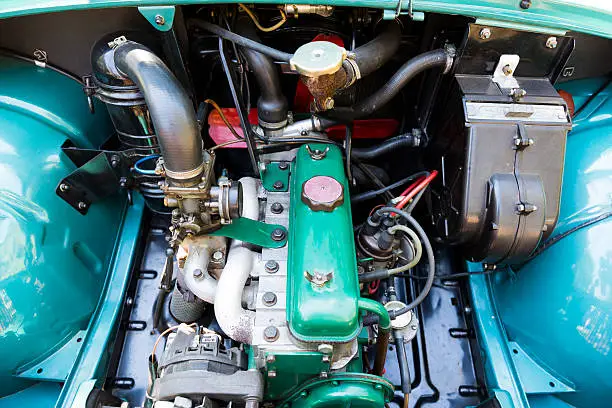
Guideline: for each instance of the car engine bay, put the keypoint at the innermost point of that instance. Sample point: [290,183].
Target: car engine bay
[321,184]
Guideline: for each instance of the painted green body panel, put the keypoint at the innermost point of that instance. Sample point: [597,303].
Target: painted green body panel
[54,261]
[551,318]
[342,390]
[322,242]
[555,14]
[292,369]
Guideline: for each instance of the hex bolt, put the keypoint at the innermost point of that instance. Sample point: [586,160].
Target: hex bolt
[283,165]
[115,160]
[197,273]
[278,234]
[270,358]
[271,266]
[217,256]
[525,4]
[64,187]
[271,334]
[269,299]
[278,185]
[82,205]
[551,42]
[160,20]
[485,33]
[276,208]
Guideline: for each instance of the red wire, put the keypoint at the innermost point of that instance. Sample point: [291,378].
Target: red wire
[410,187]
[420,185]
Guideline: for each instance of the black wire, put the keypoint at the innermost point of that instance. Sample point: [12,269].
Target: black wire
[372,177]
[348,147]
[371,194]
[451,276]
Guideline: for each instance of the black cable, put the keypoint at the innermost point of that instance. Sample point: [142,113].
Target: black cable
[240,40]
[372,177]
[348,147]
[371,194]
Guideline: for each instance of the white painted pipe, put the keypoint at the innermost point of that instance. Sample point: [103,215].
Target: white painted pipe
[234,320]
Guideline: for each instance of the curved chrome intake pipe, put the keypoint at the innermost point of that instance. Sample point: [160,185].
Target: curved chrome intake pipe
[121,63]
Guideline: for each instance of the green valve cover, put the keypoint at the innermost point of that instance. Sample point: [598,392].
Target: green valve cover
[322,285]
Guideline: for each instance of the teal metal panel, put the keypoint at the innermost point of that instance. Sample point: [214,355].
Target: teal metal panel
[554,14]
[53,260]
[558,306]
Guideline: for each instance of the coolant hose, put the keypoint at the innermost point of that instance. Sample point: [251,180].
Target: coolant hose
[374,54]
[384,328]
[422,62]
[388,146]
[272,105]
[171,109]
[240,40]
[235,321]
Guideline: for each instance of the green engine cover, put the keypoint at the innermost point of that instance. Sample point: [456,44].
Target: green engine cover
[322,285]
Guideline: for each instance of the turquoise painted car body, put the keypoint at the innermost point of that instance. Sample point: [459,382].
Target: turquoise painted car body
[63,276]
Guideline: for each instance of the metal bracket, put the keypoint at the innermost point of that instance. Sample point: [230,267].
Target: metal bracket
[392,14]
[253,232]
[160,17]
[100,174]
[504,71]
[275,176]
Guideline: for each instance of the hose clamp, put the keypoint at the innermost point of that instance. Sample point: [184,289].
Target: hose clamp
[451,52]
[185,175]
[355,74]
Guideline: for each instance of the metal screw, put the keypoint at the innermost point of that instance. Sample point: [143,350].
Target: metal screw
[271,266]
[413,327]
[324,374]
[270,358]
[525,4]
[129,301]
[217,256]
[197,273]
[276,208]
[160,20]
[551,42]
[82,205]
[278,234]
[283,165]
[269,299]
[271,333]
[507,70]
[64,187]
[278,185]
[115,160]
[485,33]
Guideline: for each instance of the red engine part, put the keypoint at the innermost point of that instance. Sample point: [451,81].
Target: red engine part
[219,132]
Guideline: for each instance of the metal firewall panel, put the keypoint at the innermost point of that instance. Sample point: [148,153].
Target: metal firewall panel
[321,242]
[54,261]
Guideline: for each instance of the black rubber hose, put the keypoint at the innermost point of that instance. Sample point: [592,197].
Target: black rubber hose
[431,273]
[272,104]
[413,67]
[374,54]
[398,142]
[171,109]
[404,370]
[240,40]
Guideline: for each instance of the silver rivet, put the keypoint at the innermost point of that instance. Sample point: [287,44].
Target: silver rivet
[551,42]
[82,205]
[160,20]
[64,187]
[485,34]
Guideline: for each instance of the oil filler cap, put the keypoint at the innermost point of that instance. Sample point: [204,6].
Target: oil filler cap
[322,193]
